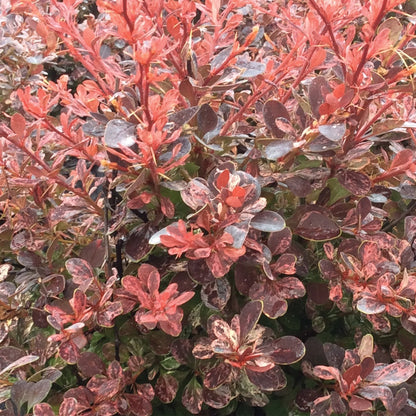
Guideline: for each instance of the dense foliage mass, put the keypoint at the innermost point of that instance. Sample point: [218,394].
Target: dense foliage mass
[207,207]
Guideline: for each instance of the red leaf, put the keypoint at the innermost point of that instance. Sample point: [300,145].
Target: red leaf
[18,125]
[89,364]
[167,207]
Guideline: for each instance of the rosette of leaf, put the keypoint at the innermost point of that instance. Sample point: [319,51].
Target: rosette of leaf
[76,312]
[371,272]
[226,206]
[356,379]
[243,352]
[156,308]
[104,395]
[272,289]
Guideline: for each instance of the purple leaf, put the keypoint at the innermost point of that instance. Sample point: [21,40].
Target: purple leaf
[81,271]
[218,398]
[317,226]
[207,119]
[288,350]
[271,380]
[272,110]
[196,194]
[216,294]
[192,397]
[268,221]
[392,374]
[277,149]
[249,316]
[334,132]
[318,89]
[370,306]
[89,364]
[217,376]
[356,182]
[166,388]
[359,404]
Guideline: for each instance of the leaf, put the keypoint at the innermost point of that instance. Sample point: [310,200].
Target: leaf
[218,398]
[392,374]
[28,392]
[192,397]
[271,380]
[399,165]
[250,69]
[273,110]
[359,404]
[89,364]
[20,362]
[69,352]
[239,232]
[217,376]
[327,373]
[286,264]
[136,245]
[166,388]
[322,145]
[376,392]
[207,119]
[81,272]
[318,89]
[356,182]
[277,149]
[370,306]
[268,221]
[183,116]
[333,132]
[18,125]
[280,241]
[316,226]
[37,392]
[43,409]
[196,194]
[69,407]
[216,294]
[120,133]
[249,316]
[288,350]
[200,272]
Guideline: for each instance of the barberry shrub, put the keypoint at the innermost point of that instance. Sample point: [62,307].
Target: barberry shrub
[207,207]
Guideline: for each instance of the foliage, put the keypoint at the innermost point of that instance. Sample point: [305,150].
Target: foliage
[207,207]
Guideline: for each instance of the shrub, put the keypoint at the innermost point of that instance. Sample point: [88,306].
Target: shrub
[207,207]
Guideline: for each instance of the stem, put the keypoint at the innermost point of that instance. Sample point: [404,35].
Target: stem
[363,60]
[328,27]
[59,180]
